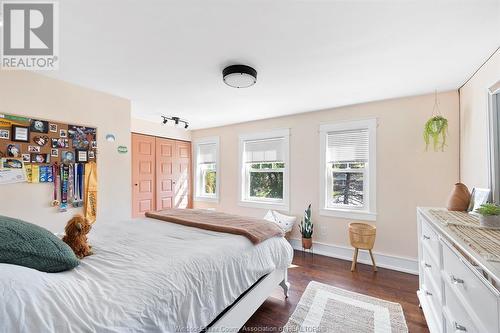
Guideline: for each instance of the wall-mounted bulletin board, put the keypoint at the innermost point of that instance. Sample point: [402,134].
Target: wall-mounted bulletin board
[43,151]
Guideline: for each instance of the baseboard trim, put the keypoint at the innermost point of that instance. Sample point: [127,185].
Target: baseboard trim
[401,264]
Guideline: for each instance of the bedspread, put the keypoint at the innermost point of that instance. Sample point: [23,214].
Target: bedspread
[145,276]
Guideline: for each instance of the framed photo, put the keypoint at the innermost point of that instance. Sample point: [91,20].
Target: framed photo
[59,143]
[41,140]
[4,134]
[68,156]
[33,149]
[81,136]
[12,163]
[478,197]
[13,150]
[40,158]
[20,133]
[63,133]
[26,158]
[39,126]
[81,156]
[53,128]
[91,154]
[54,152]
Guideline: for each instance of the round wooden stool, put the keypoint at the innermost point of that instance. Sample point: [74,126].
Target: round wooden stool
[362,237]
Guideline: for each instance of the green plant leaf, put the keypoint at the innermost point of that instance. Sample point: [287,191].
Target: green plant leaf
[436,130]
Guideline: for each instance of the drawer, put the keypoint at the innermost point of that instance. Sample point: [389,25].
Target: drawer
[432,293]
[430,240]
[430,266]
[457,319]
[466,287]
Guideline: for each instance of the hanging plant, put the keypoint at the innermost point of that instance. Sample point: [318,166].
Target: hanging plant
[436,128]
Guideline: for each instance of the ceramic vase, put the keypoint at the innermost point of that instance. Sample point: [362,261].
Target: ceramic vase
[459,198]
[492,221]
[307,243]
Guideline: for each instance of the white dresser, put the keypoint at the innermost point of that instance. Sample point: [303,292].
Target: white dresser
[458,289]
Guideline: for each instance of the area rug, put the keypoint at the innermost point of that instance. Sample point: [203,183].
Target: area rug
[326,309]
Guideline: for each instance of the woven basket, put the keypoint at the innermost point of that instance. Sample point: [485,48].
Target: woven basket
[362,235]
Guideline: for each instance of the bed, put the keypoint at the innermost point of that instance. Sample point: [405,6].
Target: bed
[147,276]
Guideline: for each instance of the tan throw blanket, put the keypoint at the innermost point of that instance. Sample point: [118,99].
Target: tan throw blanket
[256,230]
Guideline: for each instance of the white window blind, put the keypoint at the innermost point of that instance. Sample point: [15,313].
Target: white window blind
[348,146]
[270,150]
[207,153]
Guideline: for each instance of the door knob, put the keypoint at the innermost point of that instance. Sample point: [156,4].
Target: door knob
[136,184]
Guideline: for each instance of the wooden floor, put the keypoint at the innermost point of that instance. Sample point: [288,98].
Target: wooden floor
[385,284]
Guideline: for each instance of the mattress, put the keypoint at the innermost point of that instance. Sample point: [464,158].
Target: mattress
[145,276]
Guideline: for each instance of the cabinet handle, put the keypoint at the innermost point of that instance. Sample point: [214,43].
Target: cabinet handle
[426,237]
[455,280]
[428,293]
[460,328]
[427,265]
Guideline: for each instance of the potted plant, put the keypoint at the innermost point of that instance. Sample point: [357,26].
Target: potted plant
[436,129]
[489,215]
[306,229]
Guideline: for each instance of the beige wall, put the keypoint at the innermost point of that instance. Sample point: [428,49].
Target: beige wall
[30,94]
[158,129]
[407,176]
[474,124]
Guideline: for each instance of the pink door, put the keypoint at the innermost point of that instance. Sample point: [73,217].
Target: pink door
[182,175]
[165,157]
[143,174]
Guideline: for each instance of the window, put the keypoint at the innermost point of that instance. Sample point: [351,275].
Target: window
[206,152]
[494,141]
[348,169]
[264,170]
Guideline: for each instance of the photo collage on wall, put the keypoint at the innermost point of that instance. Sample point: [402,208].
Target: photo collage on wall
[39,145]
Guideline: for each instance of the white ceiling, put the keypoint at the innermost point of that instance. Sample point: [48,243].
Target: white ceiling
[167,56]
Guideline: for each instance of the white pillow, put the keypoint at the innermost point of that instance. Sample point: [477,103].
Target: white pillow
[284,221]
[270,217]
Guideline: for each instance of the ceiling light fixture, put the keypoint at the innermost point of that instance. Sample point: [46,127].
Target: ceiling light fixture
[239,76]
[178,122]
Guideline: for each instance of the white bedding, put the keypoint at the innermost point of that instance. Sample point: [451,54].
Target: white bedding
[145,276]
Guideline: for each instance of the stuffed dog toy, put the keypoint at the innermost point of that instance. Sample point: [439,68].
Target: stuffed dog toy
[76,236]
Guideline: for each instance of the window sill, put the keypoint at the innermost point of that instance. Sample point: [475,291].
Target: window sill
[264,205]
[206,199]
[348,214]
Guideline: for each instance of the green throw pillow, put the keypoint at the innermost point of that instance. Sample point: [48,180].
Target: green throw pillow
[26,244]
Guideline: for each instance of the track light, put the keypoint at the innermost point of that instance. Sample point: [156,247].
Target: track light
[178,122]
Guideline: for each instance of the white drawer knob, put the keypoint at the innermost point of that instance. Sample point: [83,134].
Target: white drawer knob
[426,237]
[456,280]
[460,328]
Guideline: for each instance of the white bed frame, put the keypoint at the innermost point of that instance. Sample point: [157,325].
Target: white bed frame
[238,314]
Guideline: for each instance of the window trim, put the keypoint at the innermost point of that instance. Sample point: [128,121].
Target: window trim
[197,195]
[284,205]
[369,213]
